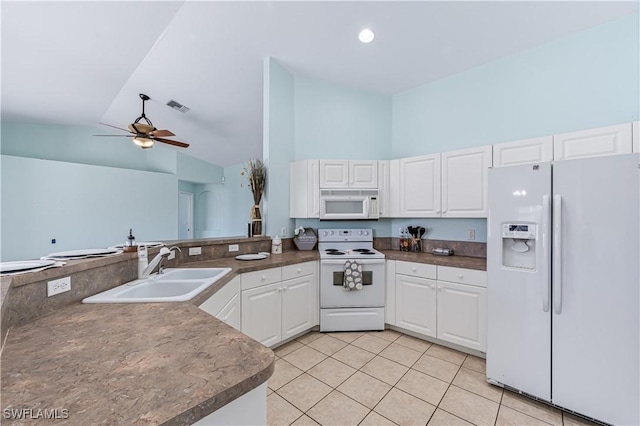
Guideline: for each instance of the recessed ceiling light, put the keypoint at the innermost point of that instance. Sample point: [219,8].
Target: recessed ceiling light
[366,35]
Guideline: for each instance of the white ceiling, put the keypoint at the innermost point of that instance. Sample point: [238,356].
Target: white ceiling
[84,62]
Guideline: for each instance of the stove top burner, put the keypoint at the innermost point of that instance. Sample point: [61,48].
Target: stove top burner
[335,252]
[363,251]
[332,250]
[367,252]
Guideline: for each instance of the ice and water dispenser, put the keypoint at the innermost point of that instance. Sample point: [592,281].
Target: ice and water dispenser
[519,245]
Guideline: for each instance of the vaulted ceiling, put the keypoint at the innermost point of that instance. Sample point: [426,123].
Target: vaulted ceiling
[80,63]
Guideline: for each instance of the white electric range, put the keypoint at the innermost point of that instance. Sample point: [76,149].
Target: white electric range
[350,310]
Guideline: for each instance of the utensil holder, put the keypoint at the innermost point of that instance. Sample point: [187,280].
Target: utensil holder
[416,245]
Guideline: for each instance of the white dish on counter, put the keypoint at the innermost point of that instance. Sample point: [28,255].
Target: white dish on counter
[24,265]
[81,254]
[147,244]
[254,256]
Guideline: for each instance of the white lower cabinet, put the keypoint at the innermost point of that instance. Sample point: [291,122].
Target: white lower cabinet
[462,315]
[442,302]
[261,313]
[416,304]
[225,304]
[280,303]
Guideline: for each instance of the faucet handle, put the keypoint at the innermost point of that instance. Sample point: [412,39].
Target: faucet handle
[175,248]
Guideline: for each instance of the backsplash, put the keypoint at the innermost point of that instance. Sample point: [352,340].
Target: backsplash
[460,248]
[27,298]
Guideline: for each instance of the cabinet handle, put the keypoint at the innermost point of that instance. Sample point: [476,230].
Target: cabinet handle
[264,277]
[460,276]
[285,288]
[414,269]
[444,211]
[299,270]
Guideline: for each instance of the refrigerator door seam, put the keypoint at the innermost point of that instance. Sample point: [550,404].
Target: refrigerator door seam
[557,254]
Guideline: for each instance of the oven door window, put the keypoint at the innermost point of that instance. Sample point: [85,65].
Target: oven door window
[367,278]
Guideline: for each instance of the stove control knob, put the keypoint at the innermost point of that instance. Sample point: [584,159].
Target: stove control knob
[325,233]
[359,232]
[366,232]
[331,233]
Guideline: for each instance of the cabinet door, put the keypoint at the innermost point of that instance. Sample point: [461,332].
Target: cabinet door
[394,188]
[383,188]
[261,313]
[636,136]
[420,186]
[363,174]
[464,182]
[537,150]
[416,304]
[230,313]
[390,301]
[313,189]
[298,305]
[462,315]
[334,173]
[598,142]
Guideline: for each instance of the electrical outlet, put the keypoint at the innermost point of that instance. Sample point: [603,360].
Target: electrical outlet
[471,234]
[58,286]
[283,231]
[194,251]
[233,247]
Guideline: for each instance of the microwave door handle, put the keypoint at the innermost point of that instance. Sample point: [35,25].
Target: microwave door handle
[366,207]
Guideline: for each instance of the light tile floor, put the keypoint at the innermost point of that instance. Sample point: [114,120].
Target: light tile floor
[387,378]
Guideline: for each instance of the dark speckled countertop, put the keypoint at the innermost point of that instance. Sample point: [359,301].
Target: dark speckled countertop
[151,363]
[479,263]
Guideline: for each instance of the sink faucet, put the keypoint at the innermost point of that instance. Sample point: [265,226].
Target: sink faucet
[162,258]
[157,261]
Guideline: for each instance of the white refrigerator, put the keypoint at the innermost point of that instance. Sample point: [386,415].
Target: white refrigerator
[563,265]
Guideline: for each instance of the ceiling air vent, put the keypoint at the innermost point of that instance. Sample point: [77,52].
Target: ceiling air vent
[175,105]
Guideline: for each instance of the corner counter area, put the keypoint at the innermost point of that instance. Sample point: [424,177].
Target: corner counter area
[129,363]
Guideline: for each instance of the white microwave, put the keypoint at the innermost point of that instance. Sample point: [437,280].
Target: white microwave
[348,204]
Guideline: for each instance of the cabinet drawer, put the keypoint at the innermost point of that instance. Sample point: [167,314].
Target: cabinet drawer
[462,276]
[421,270]
[258,278]
[298,270]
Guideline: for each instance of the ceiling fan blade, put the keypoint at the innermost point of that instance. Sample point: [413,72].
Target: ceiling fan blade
[161,133]
[109,125]
[118,136]
[170,142]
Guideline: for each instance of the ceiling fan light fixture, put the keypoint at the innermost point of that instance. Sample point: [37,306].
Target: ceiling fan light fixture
[366,35]
[143,142]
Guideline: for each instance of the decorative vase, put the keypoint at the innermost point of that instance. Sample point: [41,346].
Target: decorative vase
[306,240]
[256,221]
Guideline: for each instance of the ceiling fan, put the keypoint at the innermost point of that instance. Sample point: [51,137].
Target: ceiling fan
[143,133]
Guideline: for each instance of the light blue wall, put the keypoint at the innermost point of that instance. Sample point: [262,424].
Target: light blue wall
[582,81]
[198,171]
[334,122]
[237,200]
[81,206]
[278,146]
[76,144]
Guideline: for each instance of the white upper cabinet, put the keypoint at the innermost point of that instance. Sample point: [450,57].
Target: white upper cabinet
[527,151]
[356,174]
[304,189]
[419,186]
[593,142]
[464,182]
[636,136]
[384,182]
[394,188]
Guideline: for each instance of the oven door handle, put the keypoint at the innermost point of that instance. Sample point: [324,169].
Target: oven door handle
[361,261]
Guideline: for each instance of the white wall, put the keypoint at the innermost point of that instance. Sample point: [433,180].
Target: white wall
[81,206]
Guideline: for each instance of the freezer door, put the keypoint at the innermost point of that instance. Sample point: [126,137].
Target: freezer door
[519,318]
[596,359]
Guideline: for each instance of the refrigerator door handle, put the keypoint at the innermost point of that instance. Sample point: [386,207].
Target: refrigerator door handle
[557,254]
[545,261]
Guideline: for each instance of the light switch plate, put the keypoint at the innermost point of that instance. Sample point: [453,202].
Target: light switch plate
[471,234]
[194,251]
